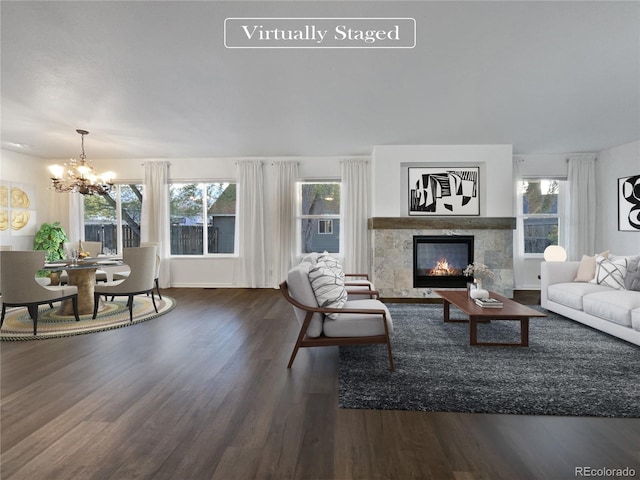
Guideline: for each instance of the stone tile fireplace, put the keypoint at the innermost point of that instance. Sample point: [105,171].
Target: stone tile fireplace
[392,250]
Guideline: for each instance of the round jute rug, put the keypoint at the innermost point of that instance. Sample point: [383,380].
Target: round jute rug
[19,326]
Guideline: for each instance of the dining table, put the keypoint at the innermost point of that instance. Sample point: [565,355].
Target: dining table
[82,274]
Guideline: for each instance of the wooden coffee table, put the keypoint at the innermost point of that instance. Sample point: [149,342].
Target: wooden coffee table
[510,311]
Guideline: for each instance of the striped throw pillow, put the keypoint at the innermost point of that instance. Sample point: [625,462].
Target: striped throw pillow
[328,287]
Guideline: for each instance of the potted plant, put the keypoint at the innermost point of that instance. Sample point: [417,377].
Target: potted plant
[51,237]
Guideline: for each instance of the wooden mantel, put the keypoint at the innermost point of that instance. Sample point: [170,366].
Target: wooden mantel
[466,223]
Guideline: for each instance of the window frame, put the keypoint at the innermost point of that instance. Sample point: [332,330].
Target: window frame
[300,216]
[118,211]
[561,214]
[202,184]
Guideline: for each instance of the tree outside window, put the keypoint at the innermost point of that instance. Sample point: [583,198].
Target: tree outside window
[114,218]
[541,212]
[190,204]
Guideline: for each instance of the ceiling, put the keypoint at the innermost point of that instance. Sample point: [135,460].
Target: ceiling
[154,79]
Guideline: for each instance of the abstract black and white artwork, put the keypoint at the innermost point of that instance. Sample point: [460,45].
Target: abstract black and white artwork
[629,204]
[444,191]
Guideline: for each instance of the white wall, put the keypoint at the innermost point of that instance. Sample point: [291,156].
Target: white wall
[389,187]
[614,163]
[48,206]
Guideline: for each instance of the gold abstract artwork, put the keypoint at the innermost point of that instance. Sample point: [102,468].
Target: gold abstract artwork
[4,196]
[19,219]
[19,199]
[4,220]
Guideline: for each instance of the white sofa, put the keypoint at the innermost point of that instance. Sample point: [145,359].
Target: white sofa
[616,312]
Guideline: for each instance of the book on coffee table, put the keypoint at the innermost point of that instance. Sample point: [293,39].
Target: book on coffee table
[489,303]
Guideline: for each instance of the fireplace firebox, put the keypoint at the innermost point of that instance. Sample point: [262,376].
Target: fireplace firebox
[439,260]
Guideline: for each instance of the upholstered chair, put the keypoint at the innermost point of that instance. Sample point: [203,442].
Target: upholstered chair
[142,262]
[157,245]
[21,289]
[363,321]
[123,275]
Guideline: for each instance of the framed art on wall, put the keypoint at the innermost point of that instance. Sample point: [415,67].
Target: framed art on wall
[629,204]
[444,191]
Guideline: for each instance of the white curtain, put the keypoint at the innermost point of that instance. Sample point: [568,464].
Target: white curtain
[251,271]
[154,220]
[76,217]
[581,231]
[285,218]
[355,202]
[518,234]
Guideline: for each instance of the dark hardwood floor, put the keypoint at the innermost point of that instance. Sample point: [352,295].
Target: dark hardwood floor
[204,393]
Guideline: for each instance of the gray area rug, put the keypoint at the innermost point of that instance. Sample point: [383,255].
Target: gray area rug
[568,369]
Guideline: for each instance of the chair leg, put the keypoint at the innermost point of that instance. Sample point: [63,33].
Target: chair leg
[158,289]
[96,301]
[130,303]
[392,368]
[74,301]
[153,299]
[4,310]
[293,355]
[33,312]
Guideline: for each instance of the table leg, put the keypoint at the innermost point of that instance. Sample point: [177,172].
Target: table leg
[524,332]
[473,330]
[84,279]
[446,310]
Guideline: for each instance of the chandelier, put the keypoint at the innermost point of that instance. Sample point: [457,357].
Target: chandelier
[79,176]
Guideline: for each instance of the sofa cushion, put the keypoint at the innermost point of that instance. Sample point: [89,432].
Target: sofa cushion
[615,306]
[635,319]
[328,286]
[300,289]
[570,294]
[587,267]
[611,272]
[358,325]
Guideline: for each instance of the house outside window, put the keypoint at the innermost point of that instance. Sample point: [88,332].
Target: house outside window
[325,227]
[542,216]
[190,205]
[114,218]
[319,216]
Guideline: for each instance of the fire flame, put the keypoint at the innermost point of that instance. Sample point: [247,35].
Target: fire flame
[442,268]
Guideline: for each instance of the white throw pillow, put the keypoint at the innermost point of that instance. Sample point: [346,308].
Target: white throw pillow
[587,267]
[328,287]
[610,273]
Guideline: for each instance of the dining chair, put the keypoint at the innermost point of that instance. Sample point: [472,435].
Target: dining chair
[123,275]
[157,275]
[142,262]
[21,289]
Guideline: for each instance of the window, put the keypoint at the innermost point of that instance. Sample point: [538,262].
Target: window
[325,227]
[319,216]
[190,205]
[114,218]
[541,213]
